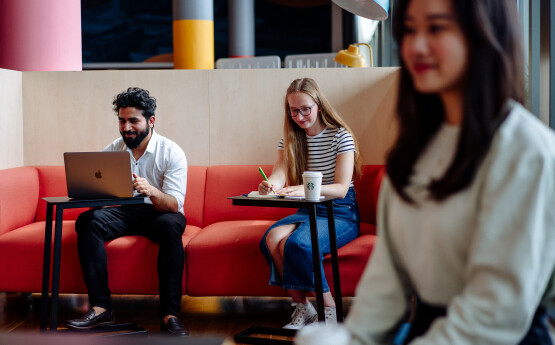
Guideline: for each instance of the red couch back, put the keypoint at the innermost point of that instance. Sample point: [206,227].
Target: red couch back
[194,198]
[205,203]
[230,180]
[52,182]
[19,190]
[367,187]
[223,181]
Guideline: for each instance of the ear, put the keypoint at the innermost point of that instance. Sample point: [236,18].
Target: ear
[151,121]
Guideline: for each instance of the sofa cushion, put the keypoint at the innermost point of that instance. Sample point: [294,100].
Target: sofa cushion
[52,182]
[21,254]
[353,258]
[131,261]
[132,264]
[231,180]
[194,199]
[225,260]
[19,190]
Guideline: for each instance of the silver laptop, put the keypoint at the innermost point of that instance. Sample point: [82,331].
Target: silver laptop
[93,175]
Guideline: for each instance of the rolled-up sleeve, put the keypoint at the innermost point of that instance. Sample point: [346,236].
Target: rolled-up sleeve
[175,177]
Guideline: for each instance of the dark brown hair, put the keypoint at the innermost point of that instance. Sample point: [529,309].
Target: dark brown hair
[495,75]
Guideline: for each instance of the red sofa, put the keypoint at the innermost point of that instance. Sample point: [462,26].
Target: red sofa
[221,241]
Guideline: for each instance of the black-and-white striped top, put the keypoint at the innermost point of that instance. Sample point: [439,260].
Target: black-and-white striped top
[323,150]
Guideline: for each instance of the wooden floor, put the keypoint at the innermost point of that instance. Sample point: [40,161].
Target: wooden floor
[220,317]
[204,317]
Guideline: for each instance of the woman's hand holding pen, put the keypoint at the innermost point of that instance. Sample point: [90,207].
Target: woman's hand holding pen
[265,187]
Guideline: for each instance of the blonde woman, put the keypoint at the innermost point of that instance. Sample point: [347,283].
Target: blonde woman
[315,139]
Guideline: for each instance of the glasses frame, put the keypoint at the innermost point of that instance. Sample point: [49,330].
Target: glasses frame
[300,111]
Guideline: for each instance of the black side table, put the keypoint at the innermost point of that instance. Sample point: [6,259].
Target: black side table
[311,207]
[62,203]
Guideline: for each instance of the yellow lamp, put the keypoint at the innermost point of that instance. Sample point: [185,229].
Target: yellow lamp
[352,58]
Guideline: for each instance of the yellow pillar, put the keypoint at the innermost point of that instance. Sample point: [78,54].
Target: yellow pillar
[193,34]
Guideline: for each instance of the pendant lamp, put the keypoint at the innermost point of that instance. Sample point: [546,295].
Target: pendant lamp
[371,9]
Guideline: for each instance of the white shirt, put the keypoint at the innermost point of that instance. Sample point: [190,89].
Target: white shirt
[163,165]
[486,253]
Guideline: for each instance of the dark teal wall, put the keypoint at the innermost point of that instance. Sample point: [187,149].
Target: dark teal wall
[134,30]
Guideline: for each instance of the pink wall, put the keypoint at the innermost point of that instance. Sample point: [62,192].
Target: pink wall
[40,35]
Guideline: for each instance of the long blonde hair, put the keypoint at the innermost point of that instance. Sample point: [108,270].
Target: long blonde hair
[294,137]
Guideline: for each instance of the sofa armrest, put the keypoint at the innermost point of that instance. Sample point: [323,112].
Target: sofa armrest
[19,190]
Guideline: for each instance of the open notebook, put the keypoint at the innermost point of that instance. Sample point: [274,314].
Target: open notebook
[255,194]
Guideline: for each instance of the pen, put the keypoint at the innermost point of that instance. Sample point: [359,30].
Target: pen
[264,176]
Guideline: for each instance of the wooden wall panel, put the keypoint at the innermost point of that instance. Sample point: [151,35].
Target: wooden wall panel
[11,119]
[247,110]
[216,116]
[72,111]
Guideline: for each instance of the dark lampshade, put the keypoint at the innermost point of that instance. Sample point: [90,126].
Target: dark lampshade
[371,9]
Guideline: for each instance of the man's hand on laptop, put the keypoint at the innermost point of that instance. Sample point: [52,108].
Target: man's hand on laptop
[162,202]
[142,186]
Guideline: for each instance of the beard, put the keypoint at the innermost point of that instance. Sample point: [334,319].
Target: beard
[135,142]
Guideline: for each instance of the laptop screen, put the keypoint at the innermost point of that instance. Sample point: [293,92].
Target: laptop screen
[92,175]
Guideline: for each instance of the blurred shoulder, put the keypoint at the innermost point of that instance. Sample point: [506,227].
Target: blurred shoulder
[523,135]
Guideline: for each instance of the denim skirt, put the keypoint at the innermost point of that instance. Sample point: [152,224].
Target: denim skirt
[298,271]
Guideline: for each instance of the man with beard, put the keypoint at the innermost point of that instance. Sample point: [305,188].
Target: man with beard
[160,174]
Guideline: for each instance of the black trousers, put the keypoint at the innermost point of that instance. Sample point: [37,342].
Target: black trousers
[96,226]
[538,334]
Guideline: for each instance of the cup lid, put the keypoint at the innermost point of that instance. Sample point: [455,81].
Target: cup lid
[312,174]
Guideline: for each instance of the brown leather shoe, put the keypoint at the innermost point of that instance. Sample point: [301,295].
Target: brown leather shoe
[174,327]
[91,320]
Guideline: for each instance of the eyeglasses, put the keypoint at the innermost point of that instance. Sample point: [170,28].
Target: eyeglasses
[304,111]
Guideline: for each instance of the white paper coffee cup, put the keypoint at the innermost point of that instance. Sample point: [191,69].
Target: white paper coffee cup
[321,334]
[312,181]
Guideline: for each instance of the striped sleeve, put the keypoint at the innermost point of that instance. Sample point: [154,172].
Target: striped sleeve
[345,142]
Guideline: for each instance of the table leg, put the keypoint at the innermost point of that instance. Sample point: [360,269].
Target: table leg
[46,267]
[56,266]
[316,263]
[335,263]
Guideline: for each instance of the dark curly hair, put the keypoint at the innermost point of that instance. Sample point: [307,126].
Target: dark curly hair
[137,98]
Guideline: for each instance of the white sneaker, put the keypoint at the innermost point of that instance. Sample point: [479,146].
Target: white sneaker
[331,315]
[303,315]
